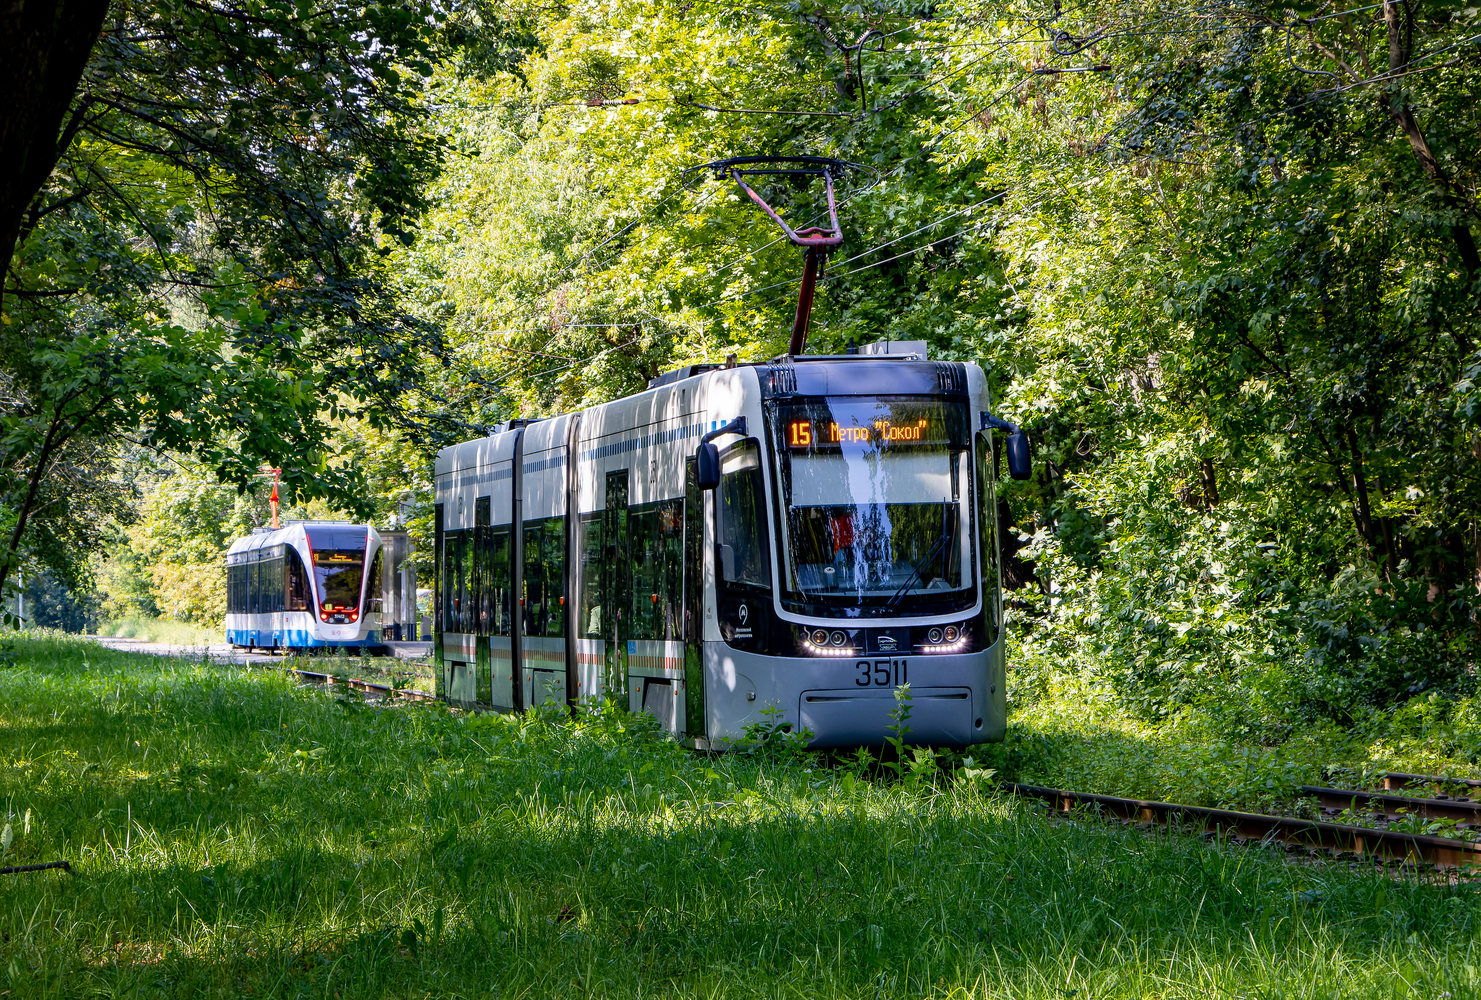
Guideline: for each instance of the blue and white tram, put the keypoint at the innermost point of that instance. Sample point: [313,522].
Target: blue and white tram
[805,535]
[306,585]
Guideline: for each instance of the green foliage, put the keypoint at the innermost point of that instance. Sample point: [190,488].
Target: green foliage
[204,270]
[1227,280]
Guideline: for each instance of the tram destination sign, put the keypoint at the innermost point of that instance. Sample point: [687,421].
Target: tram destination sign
[806,434]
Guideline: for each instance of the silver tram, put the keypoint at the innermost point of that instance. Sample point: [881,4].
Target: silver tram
[805,535]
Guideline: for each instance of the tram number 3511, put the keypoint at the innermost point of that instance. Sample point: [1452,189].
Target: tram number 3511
[881,673]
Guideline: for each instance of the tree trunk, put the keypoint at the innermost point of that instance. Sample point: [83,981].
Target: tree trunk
[1362,512]
[1210,483]
[46,45]
[1476,523]
[1400,47]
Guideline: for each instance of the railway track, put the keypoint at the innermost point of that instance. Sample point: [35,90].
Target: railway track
[1296,833]
[1461,805]
[387,691]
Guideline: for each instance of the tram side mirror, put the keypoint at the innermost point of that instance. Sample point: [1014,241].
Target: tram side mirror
[1020,457]
[708,466]
[726,559]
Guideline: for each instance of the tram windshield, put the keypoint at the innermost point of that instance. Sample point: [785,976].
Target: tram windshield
[876,497]
[339,566]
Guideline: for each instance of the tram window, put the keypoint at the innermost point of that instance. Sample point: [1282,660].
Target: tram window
[449,581]
[439,574]
[647,568]
[275,583]
[465,582]
[298,583]
[534,596]
[483,590]
[743,517]
[591,621]
[671,539]
[656,542]
[544,569]
[374,586]
[498,582]
[555,575]
[987,509]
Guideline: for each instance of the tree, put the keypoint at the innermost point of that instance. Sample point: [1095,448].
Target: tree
[201,268]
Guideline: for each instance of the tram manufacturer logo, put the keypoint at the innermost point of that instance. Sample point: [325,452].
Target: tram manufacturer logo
[887,643]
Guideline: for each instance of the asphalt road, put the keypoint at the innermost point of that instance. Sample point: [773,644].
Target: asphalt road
[225,653]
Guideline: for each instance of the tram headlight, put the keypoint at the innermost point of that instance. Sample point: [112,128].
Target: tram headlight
[934,636]
[819,637]
[951,633]
[838,638]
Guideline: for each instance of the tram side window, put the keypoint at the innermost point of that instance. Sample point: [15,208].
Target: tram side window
[481,587]
[439,571]
[656,540]
[275,583]
[647,566]
[498,581]
[987,525]
[545,591]
[455,580]
[463,580]
[447,578]
[591,619]
[253,575]
[533,598]
[298,583]
[555,570]
[744,547]
[671,540]
[374,586]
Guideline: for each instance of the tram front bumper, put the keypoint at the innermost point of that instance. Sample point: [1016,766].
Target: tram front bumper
[844,718]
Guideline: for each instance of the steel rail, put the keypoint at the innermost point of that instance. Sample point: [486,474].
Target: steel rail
[359,684]
[44,866]
[1398,780]
[1312,834]
[1391,806]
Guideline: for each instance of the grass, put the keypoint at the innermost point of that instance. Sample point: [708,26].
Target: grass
[1068,730]
[161,630]
[238,836]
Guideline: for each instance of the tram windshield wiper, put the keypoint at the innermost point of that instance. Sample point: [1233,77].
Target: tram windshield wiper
[942,543]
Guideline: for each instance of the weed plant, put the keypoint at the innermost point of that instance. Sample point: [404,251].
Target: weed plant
[235,835]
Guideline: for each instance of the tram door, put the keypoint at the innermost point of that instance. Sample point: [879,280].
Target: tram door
[617,585]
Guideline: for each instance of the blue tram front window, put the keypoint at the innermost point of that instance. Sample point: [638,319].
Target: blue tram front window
[339,566]
[876,506]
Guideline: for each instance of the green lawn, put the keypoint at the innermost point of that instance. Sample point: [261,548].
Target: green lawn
[162,630]
[237,836]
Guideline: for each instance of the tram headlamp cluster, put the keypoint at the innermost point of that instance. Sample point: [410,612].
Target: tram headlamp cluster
[945,639]
[823,642]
